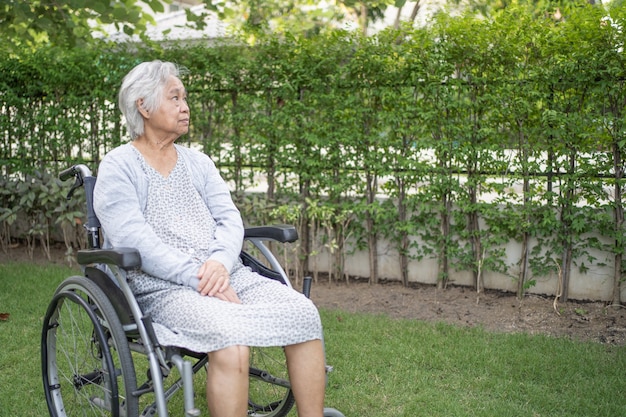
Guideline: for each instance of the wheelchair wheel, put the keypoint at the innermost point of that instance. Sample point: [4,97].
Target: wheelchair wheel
[86,361]
[270,393]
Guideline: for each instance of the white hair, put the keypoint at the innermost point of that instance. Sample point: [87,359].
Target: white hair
[144,82]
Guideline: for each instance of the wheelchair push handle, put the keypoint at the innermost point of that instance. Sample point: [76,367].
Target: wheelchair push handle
[75,171]
[84,178]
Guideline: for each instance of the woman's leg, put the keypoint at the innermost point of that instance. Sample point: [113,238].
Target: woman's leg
[227,382]
[307,373]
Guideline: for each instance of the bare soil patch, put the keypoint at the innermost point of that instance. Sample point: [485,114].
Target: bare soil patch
[493,310]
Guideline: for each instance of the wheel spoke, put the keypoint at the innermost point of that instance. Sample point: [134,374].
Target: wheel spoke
[270,392]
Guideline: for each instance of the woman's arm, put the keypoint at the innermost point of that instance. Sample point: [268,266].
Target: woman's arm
[216,195]
[118,205]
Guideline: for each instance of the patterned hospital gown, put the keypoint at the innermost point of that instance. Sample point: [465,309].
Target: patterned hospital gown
[271,314]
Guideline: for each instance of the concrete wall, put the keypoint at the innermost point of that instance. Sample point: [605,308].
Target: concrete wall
[594,284]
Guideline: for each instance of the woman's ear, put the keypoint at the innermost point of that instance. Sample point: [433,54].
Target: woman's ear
[140,106]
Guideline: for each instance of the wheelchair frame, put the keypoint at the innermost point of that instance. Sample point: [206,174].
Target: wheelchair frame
[115,328]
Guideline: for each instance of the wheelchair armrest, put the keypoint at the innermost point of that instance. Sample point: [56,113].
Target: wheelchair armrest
[125,258]
[280,232]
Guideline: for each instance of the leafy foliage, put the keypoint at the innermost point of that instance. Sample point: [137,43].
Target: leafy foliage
[70,23]
[449,142]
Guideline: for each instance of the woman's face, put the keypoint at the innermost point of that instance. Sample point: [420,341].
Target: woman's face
[172,117]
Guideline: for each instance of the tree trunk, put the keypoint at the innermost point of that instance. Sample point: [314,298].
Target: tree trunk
[473,226]
[304,226]
[618,213]
[339,252]
[477,249]
[565,271]
[444,269]
[271,151]
[305,229]
[415,10]
[373,258]
[404,238]
[237,176]
[372,239]
[523,273]
[566,220]
[396,22]
[363,18]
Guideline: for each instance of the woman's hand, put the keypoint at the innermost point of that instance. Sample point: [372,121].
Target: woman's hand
[215,282]
[228,295]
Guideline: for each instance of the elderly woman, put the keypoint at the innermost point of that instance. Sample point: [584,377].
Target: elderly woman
[170,203]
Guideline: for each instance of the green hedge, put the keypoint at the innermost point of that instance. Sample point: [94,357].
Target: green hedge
[475,132]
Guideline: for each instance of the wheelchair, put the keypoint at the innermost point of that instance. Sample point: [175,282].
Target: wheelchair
[96,342]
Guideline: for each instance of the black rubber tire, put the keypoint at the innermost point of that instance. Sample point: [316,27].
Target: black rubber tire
[270,393]
[87,365]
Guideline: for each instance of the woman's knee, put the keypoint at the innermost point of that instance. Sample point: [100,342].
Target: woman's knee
[235,358]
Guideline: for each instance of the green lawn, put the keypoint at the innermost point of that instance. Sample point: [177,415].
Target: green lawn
[383,367]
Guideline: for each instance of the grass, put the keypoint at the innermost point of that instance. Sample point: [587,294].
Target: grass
[25,291]
[387,367]
[383,367]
